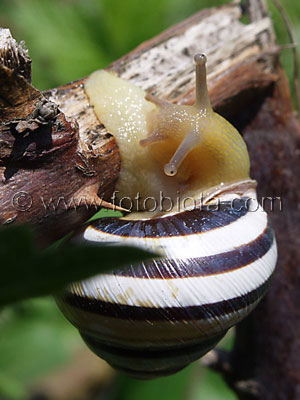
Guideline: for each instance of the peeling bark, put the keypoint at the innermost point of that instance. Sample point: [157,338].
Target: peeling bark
[51,152]
[47,180]
[55,155]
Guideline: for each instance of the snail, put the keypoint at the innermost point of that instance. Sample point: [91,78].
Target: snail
[216,248]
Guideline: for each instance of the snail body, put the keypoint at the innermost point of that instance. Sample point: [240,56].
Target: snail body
[167,147]
[216,256]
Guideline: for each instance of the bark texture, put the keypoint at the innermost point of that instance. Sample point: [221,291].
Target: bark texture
[66,151]
[47,178]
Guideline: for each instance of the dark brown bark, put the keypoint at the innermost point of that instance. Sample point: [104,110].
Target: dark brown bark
[265,361]
[53,166]
[56,158]
[46,180]
[268,344]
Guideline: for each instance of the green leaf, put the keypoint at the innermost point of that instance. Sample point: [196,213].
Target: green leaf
[11,389]
[29,272]
[36,339]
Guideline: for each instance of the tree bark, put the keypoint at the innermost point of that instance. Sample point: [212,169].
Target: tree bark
[70,154]
[47,179]
[54,170]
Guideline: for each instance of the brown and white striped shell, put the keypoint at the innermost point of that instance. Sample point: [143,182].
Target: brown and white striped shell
[216,258]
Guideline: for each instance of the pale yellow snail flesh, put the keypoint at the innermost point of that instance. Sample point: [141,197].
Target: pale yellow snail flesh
[154,318]
[166,147]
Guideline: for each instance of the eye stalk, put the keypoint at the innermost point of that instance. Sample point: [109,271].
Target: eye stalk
[170,169]
[153,318]
[202,98]
[188,143]
[200,59]
[166,147]
[205,150]
[204,107]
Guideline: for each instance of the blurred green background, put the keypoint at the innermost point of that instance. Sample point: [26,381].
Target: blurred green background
[68,39]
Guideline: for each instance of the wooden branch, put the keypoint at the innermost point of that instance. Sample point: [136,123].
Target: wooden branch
[51,165]
[164,65]
[265,362]
[47,179]
[71,154]
[52,170]
[267,345]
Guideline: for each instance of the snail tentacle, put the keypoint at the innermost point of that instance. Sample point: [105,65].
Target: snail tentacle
[202,98]
[216,249]
[189,142]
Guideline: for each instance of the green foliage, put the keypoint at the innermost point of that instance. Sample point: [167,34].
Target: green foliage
[33,272]
[35,339]
[68,39]
[292,9]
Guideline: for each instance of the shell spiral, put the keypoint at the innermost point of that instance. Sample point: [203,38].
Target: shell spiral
[154,318]
[215,259]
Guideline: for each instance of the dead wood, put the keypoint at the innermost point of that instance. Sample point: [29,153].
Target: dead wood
[70,151]
[47,180]
[55,160]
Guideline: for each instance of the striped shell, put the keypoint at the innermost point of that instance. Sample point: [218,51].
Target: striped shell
[155,318]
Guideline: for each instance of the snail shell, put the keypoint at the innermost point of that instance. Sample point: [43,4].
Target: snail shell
[155,318]
[216,260]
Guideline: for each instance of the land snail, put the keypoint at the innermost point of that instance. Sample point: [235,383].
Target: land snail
[217,254]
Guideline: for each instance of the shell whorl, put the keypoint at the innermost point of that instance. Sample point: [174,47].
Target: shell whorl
[214,261]
[155,318]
